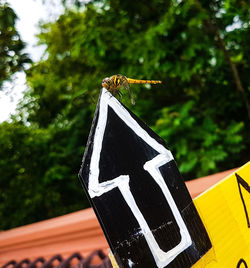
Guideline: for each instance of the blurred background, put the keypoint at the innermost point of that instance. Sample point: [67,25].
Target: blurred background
[53,57]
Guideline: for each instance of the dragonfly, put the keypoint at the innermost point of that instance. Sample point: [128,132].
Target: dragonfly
[115,82]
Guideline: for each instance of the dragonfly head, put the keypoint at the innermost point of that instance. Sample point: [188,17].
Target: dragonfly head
[106,82]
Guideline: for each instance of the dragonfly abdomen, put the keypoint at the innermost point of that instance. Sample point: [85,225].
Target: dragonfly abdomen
[137,81]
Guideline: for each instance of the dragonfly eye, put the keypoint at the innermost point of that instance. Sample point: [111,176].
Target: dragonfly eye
[106,82]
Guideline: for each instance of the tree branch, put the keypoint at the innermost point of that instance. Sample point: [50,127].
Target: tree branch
[234,70]
[211,27]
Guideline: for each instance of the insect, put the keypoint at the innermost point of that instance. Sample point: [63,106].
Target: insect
[115,82]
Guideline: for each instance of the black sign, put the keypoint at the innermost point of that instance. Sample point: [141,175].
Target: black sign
[138,194]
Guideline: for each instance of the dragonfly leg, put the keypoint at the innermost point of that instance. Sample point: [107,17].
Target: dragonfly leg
[119,93]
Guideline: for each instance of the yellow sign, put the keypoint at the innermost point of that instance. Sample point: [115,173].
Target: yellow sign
[225,211]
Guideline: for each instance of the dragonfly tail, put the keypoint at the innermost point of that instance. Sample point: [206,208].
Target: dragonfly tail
[137,81]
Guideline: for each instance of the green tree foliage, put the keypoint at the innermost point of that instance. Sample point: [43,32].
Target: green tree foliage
[12,57]
[38,173]
[185,44]
[199,49]
[197,142]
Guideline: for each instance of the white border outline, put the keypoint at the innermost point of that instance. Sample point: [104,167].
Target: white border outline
[96,189]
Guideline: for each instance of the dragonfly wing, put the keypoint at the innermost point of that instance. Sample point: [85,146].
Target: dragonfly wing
[127,86]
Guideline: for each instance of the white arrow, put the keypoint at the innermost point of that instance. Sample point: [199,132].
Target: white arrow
[96,189]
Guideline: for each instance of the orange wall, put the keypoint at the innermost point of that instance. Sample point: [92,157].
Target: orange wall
[74,232]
